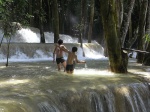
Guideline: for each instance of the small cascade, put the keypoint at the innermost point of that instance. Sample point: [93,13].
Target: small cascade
[46,107]
[25,45]
[32,35]
[126,98]
[37,51]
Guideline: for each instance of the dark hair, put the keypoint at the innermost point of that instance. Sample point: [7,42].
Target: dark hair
[74,49]
[60,41]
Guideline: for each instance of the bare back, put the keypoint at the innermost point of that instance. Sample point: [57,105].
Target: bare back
[59,51]
[71,57]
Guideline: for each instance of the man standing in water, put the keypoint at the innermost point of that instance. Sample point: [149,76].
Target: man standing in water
[72,58]
[58,54]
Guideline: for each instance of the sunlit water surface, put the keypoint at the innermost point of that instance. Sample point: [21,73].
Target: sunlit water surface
[44,75]
[39,87]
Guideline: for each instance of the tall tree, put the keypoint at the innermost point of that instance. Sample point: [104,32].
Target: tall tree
[31,12]
[116,56]
[141,31]
[62,17]
[126,20]
[146,60]
[81,22]
[41,19]
[91,21]
[56,21]
[11,11]
[49,15]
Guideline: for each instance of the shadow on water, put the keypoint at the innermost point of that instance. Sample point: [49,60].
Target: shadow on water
[39,87]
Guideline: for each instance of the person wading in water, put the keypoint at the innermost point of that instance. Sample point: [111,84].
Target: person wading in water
[72,59]
[58,55]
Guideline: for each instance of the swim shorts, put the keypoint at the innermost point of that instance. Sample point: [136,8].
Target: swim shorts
[69,67]
[60,60]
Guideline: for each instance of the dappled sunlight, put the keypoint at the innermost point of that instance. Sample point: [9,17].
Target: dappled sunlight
[92,72]
[140,72]
[14,82]
[7,101]
[123,90]
[145,74]
[2,67]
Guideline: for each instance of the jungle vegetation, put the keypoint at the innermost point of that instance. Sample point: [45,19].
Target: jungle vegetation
[115,24]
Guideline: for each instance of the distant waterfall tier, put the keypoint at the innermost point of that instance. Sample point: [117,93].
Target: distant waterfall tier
[37,51]
[32,35]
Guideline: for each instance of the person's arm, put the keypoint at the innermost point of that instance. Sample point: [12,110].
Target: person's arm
[65,49]
[79,61]
[54,53]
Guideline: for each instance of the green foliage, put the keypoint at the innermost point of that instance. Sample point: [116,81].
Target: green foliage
[79,27]
[12,12]
[147,37]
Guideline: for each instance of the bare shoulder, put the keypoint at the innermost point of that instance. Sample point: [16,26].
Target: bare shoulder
[62,46]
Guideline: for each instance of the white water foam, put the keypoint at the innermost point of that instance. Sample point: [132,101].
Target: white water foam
[32,35]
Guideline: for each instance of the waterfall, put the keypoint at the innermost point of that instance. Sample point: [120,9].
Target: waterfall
[37,51]
[31,82]
[32,35]
[126,98]
[25,46]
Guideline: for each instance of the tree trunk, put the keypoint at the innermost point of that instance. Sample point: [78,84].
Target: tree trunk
[117,58]
[8,46]
[146,60]
[84,15]
[148,19]
[119,15]
[31,12]
[49,15]
[126,22]
[81,26]
[61,19]
[1,41]
[56,21]
[91,21]
[42,40]
[141,33]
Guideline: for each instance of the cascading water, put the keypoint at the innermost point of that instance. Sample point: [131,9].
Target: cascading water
[37,86]
[22,50]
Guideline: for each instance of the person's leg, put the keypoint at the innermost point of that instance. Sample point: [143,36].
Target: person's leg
[63,61]
[71,72]
[59,66]
[71,69]
[67,69]
[64,65]
[58,61]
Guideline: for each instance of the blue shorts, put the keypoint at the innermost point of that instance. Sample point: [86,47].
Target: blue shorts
[60,60]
